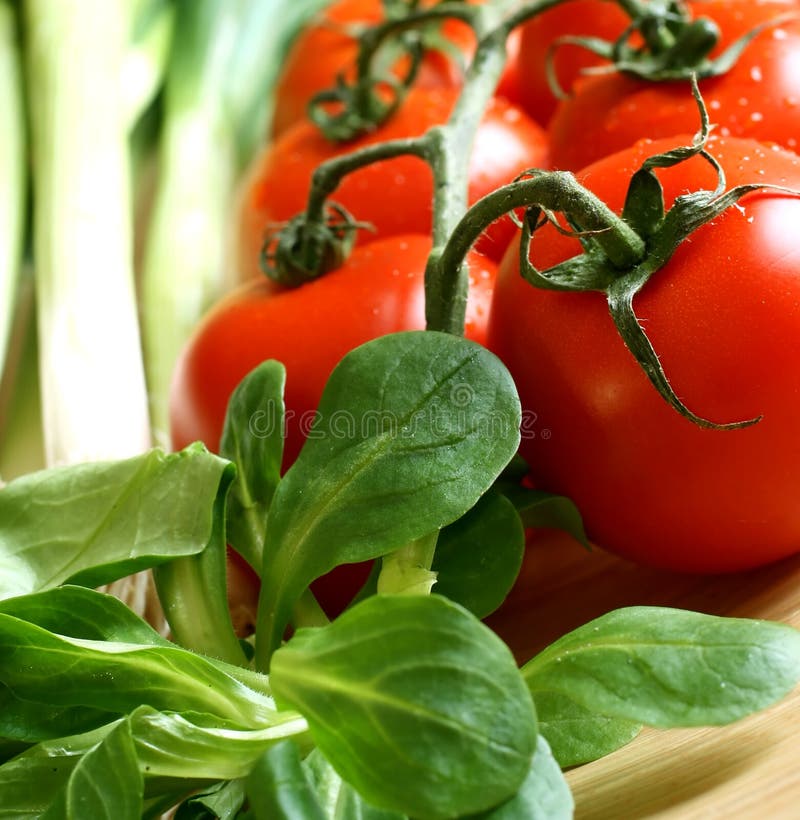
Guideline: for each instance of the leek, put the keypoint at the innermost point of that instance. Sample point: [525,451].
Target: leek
[21,436]
[225,60]
[185,240]
[93,393]
[147,55]
[12,172]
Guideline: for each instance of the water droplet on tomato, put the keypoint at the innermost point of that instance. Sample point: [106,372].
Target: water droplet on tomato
[779,34]
[755,74]
[743,101]
[756,116]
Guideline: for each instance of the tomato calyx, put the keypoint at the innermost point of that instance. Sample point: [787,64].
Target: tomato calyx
[305,248]
[320,238]
[353,108]
[620,253]
[662,43]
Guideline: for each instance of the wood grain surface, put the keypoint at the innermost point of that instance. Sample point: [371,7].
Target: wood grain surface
[750,769]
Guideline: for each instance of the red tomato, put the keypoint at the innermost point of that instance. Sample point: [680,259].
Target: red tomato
[586,18]
[759,97]
[379,290]
[394,195]
[328,47]
[724,317]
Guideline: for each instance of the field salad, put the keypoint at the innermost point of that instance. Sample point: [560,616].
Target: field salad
[397,407]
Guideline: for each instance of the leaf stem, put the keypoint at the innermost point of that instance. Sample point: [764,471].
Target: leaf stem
[308,612]
[407,571]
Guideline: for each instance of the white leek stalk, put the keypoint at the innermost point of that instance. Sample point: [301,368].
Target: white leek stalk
[93,392]
[12,172]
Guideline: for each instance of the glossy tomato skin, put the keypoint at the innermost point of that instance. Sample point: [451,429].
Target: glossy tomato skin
[395,196]
[327,48]
[585,18]
[379,290]
[724,317]
[758,98]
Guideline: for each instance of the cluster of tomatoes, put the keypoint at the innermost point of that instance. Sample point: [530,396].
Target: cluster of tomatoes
[723,314]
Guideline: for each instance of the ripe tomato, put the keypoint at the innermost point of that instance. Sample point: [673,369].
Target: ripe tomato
[724,317]
[586,18]
[328,47]
[379,290]
[759,97]
[394,195]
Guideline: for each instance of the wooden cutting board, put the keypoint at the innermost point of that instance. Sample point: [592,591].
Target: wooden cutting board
[750,769]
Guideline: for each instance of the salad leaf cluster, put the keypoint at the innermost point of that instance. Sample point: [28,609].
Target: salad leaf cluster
[406,705]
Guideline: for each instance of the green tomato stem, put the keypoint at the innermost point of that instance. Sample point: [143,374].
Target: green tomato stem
[446,290]
[373,38]
[657,37]
[329,174]
[446,298]
[552,191]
